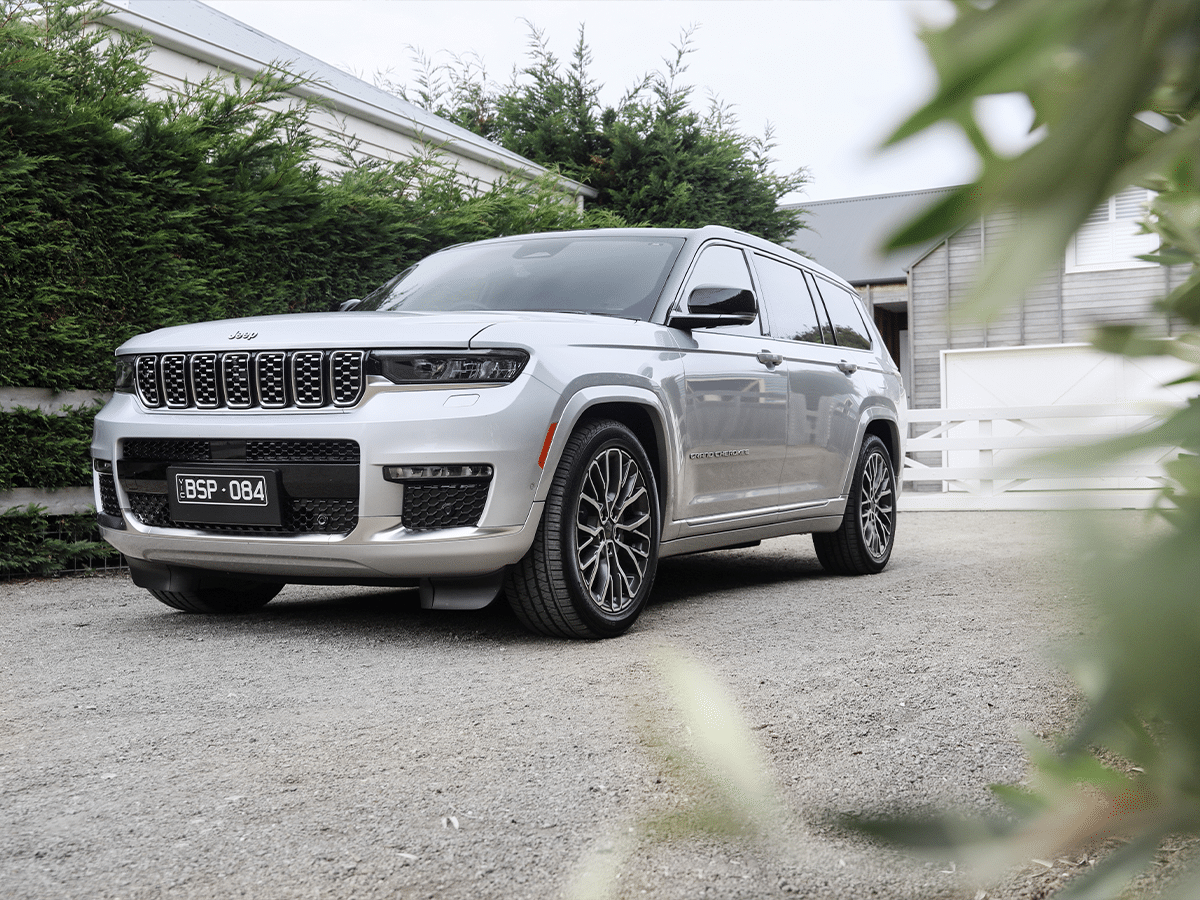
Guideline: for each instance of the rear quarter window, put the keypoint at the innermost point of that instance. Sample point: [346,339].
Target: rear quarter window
[845,313]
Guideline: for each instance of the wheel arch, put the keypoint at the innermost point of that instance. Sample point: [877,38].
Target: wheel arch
[640,413]
[888,432]
[881,422]
[646,427]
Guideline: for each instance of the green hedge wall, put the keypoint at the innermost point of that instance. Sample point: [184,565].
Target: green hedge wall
[121,213]
[34,544]
[44,450]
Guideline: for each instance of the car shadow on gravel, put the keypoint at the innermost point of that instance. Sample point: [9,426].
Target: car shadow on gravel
[366,614]
[698,575]
[383,611]
[372,613]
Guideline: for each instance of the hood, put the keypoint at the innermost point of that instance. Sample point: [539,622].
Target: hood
[316,331]
[372,330]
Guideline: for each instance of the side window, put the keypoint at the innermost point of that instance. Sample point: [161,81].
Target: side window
[849,329]
[724,266]
[793,317]
[822,316]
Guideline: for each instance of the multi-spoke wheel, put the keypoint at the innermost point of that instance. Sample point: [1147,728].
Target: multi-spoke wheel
[863,543]
[592,563]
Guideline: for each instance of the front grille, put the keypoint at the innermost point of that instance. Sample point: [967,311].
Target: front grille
[319,515]
[252,450]
[443,504]
[302,451]
[174,449]
[319,480]
[272,379]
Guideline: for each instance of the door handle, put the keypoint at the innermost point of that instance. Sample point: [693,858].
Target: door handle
[768,359]
[847,368]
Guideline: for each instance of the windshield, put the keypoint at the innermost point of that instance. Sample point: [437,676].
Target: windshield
[613,275]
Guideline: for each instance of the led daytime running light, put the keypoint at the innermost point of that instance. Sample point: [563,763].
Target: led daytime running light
[436,472]
[466,367]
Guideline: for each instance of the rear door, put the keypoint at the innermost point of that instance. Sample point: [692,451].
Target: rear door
[824,396]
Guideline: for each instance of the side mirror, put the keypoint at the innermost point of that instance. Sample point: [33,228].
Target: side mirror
[711,307]
[347,305]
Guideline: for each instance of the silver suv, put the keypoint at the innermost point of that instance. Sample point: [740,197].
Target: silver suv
[545,415]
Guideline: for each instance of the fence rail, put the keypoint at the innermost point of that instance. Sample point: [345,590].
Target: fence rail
[1021,458]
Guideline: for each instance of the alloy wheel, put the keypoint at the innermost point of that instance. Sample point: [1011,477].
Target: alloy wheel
[614,528]
[877,506]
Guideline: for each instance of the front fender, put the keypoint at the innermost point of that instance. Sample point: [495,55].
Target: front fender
[574,408]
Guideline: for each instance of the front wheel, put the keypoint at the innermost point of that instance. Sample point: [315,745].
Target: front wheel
[863,543]
[595,553]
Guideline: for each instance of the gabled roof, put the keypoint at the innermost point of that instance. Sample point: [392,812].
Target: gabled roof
[846,235]
[201,32]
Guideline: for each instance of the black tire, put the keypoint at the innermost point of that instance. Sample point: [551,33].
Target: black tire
[863,543]
[245,598]
[593,559]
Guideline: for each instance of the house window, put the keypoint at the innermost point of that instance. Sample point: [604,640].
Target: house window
[1110,237]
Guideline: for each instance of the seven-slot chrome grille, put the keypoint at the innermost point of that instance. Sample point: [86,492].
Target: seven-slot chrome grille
[270,379]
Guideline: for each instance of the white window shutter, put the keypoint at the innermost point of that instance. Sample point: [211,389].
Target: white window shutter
[1110,237]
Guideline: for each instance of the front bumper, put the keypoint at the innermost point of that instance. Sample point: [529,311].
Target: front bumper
[378,549]
[502,427]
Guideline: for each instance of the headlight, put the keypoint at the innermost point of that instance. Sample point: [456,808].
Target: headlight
[125,375]
[451,367]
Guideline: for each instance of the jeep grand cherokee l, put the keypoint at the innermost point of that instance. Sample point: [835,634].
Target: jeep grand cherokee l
[543,415]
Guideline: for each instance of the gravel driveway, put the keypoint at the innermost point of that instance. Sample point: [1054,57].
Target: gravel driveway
[343,743]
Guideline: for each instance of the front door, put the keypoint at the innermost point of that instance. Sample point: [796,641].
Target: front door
[735,408]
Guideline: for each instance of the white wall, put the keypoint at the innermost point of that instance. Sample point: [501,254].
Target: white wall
[1066,375]
[1056,374]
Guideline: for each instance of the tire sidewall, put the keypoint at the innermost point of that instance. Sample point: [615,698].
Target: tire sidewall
[871,447]
[609,435]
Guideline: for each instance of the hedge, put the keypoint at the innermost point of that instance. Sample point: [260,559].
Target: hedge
[32,543]
[122,212]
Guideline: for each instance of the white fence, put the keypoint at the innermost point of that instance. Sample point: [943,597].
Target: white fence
[1034,457]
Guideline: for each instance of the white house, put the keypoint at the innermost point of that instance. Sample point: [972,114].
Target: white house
[191,41]
[1028,380]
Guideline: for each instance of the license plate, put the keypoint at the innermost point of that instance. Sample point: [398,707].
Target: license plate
[224,496]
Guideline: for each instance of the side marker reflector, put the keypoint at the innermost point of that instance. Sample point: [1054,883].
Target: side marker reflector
[546,445]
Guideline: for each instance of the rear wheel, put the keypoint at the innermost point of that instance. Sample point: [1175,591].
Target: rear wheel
[863,543]
[243,598]
[595,554]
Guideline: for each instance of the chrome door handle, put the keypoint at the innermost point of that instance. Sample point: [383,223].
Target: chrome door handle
[847,368]
[769,359]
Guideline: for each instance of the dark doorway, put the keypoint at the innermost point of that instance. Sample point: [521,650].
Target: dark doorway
[890,324]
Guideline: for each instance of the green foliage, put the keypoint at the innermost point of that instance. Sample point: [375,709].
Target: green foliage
[1096,71]
[652,158]
[26,547]
[1092,70]
[121,212]
[44,450]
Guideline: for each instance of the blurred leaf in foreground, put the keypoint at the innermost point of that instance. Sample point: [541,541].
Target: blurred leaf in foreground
[729,792]
[1115,88]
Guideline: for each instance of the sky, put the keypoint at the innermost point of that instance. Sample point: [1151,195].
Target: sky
[833,78]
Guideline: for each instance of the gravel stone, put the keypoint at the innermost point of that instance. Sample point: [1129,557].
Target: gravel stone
[343,743]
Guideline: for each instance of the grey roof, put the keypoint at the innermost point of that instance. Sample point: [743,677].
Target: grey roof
[203,33]
[845,235]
